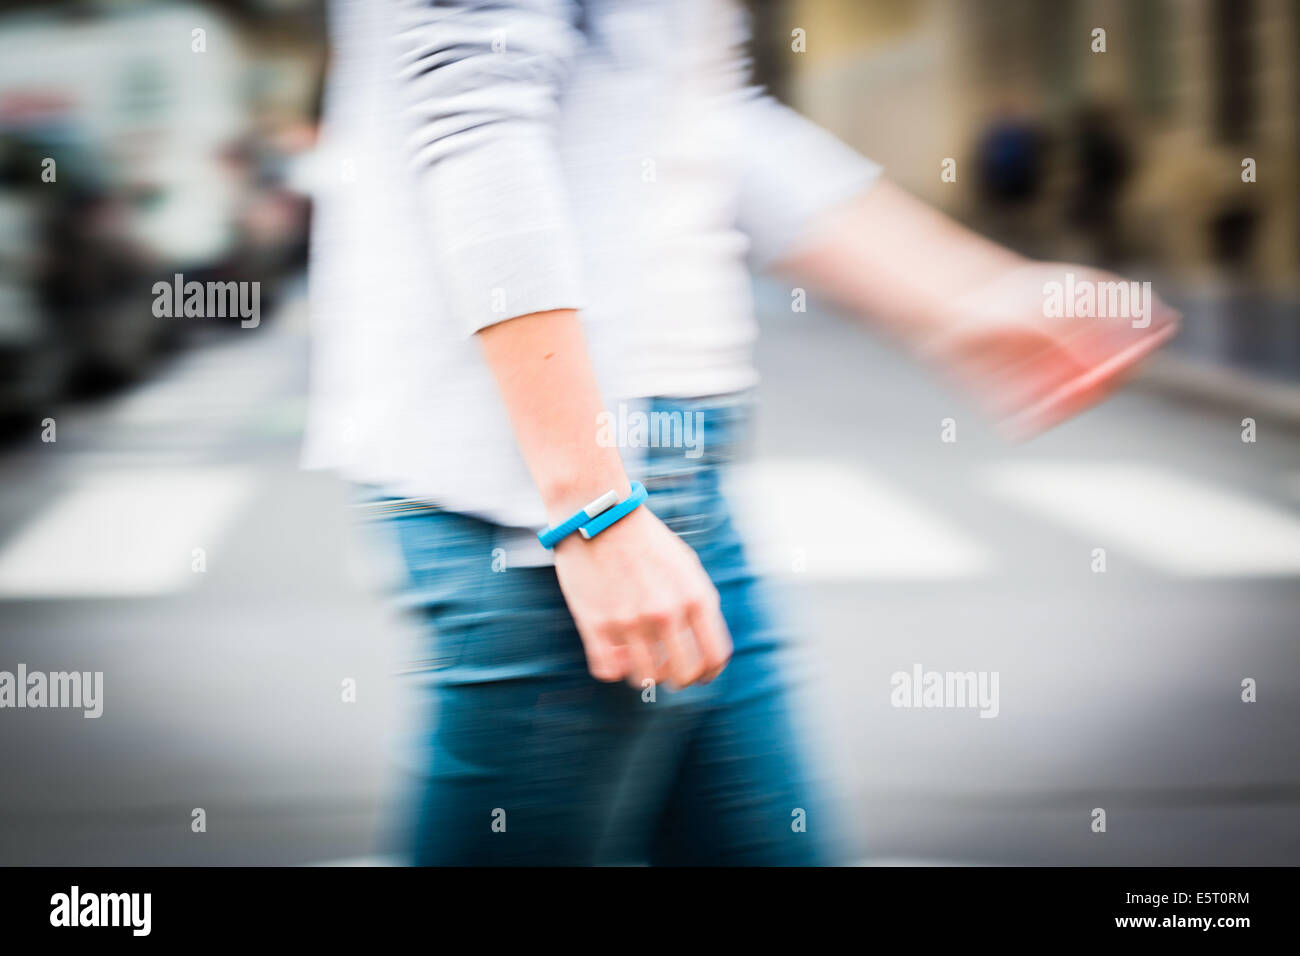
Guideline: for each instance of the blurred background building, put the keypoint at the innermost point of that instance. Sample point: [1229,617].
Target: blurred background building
[1119,690]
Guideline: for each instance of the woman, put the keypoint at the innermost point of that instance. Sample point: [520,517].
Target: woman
[546,208]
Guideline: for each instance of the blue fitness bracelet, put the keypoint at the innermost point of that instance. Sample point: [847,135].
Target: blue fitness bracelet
[595,517]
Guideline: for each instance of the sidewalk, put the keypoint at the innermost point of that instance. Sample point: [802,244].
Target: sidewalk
[1238,349]
[1254,395]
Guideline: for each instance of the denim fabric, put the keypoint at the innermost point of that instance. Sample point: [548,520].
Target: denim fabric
[514,729]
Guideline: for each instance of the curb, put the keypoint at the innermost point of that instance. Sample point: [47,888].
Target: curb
[1228,387]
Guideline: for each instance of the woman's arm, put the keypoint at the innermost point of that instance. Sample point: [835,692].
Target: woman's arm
[982,313]
[643,604]
[482,81]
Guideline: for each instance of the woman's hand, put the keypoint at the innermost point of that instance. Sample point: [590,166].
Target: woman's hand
[643,604]
[1014,348]
[982,312]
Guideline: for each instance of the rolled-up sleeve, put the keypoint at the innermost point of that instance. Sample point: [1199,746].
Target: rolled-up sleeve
[793,172]
[481,83]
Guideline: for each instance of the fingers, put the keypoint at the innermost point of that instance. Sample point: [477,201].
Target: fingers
[1087,388]
[606,661]
[643,663]
[660,622]
[681,649]
[695,642]
[712,639]
[685,663]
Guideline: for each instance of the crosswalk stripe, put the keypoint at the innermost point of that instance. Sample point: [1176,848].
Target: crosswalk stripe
[123,534]
[1166,520]
[360,861]
[830,520]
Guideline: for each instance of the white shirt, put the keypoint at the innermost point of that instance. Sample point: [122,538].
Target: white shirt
[484,161]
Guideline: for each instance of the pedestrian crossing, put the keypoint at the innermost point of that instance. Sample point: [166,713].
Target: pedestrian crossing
[132,532]
[209,391]
[125,534]
[833,521]
[828,520]
[1171,522]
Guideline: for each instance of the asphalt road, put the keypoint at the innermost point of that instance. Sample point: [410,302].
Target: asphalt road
[1118,690]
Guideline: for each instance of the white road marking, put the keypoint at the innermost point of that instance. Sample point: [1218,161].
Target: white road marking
[829,520]
[1166,520]
[124,534]
[360,861]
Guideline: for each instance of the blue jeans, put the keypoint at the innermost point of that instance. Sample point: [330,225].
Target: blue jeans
[521,757]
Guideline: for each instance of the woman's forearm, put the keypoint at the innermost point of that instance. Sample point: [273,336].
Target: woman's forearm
[642,603]
[897,262]
[546,380]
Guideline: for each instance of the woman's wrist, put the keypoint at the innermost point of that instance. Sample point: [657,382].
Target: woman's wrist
[563,496]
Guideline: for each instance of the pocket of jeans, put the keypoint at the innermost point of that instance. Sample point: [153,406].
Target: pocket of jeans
[513,638]
[479,615]
[687,502]
[448,559]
